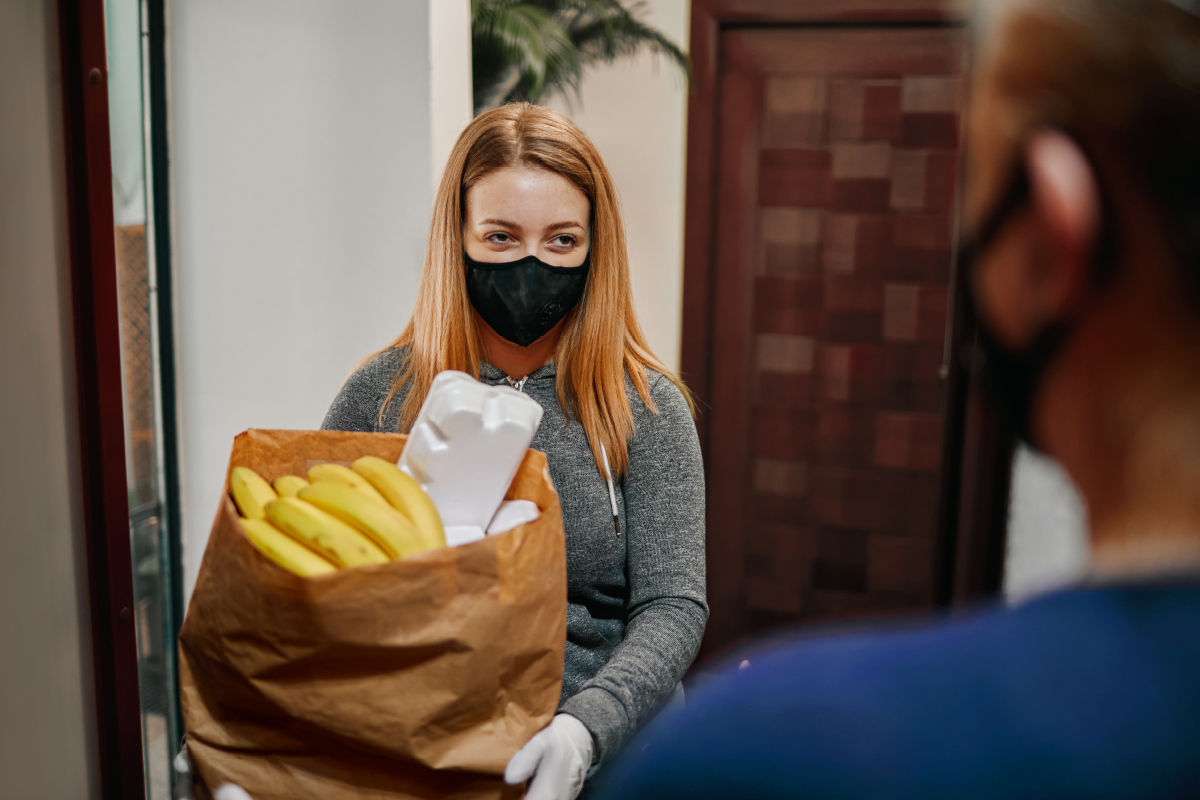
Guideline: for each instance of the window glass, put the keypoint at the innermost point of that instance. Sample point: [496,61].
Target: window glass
[126,40]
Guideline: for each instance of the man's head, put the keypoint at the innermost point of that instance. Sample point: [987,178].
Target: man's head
[1122,77]
[1095,104]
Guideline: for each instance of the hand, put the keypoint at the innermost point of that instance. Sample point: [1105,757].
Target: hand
[183,789]
[556,758]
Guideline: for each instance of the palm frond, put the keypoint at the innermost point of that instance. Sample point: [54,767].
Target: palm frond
[595,8]
[524,49]
[524,39]
[618,36]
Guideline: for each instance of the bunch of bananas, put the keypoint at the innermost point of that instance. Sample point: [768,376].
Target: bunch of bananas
[369,513]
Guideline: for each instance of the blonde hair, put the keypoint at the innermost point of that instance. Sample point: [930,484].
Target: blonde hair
[601,340]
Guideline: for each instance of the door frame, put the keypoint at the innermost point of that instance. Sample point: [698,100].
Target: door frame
[101,417]
[976,448]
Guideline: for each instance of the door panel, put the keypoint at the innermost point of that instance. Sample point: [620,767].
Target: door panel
[837,152]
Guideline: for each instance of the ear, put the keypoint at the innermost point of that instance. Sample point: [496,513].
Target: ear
[1066,207]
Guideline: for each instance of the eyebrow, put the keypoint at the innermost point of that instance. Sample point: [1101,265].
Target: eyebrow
[558,226]
[504,223]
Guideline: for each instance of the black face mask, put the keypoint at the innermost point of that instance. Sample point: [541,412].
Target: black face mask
[1011,377]
[522,300]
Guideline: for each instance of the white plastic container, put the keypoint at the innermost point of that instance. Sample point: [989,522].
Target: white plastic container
[512,514]
[465,448]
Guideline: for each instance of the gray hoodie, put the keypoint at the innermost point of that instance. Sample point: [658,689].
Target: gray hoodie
[635,600]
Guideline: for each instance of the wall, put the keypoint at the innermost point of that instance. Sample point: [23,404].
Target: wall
[300,156]
[449,79]
[47,740]
[635,111]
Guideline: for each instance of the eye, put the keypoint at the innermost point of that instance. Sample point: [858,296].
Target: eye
[499,237]
[564,240]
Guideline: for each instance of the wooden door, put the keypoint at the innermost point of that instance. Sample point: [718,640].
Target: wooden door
[834,177]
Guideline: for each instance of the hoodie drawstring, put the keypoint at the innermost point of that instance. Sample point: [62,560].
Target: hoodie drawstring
[612,495]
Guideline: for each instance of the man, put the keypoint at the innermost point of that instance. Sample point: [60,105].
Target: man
[1083,213]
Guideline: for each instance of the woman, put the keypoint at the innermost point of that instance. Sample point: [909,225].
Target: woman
[526,281]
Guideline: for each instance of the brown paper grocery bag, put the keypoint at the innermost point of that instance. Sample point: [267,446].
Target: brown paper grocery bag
[413,679]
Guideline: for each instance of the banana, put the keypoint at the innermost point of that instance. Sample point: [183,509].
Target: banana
[339,474]
[386,526]
[289,485]
[284,550]
[406,496]
[326,534]
[250,492]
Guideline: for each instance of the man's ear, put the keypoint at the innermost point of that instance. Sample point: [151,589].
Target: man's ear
[1066,206]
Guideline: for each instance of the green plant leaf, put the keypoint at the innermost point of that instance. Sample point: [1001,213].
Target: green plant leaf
[618,36]
[519,47]
[523,50]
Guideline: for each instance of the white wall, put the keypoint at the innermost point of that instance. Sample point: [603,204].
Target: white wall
[301,161]
[1047,528]
[635,111]
[449,79]
[47,731]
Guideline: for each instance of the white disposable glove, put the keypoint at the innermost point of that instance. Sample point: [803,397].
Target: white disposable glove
[556,758]
[183,789]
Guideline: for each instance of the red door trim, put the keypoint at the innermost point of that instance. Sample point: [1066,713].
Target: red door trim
[98,390]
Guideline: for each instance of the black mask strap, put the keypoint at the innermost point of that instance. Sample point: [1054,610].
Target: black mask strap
[1008,376]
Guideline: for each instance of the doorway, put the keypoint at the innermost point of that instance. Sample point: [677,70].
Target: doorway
[821,341]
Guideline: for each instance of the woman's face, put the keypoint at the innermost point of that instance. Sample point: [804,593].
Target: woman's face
[526,211]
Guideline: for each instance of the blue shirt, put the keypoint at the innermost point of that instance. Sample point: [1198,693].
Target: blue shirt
[1082,693]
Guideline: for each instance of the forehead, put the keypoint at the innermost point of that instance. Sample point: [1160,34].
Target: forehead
[534,194]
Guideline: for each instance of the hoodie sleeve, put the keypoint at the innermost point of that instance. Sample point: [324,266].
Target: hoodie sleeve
[667,610]
[357,404]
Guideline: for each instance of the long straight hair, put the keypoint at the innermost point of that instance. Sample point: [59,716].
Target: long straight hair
[601,340]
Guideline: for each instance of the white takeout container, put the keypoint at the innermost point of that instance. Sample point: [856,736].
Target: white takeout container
[465,448]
